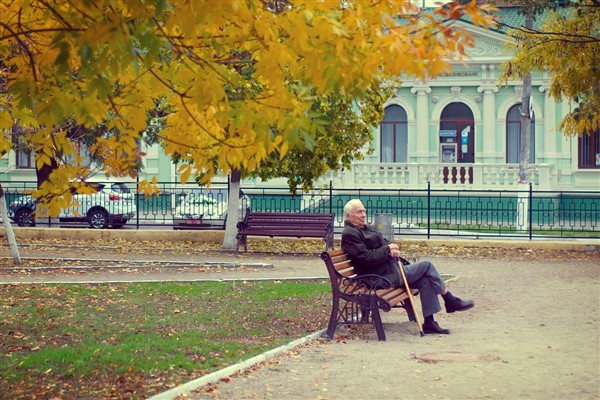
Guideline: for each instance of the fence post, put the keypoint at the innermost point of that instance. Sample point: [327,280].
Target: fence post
[530,211]
[330,197]
[137,202]
[428,210]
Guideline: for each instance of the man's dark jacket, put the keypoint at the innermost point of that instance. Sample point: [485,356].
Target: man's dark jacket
[369,252]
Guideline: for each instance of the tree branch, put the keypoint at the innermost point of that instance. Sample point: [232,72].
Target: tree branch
[571,36]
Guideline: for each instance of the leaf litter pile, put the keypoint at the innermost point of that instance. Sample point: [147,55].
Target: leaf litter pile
[130,341]
[101,253]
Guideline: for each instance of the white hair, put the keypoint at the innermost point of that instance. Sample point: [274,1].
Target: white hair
[351,205]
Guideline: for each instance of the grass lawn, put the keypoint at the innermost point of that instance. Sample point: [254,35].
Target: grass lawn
[131,341]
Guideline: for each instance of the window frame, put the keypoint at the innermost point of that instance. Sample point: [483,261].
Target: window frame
[24,158]
[399,149]
[590,160]
[517,123]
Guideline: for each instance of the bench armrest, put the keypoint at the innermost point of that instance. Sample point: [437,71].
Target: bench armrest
[366,283]
[375,282]
[243,224]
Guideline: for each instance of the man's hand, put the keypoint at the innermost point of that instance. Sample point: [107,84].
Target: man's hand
[394,250]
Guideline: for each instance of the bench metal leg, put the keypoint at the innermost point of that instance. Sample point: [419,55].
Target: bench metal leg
[335,309]
[329,242]
[378,324]
[241,240]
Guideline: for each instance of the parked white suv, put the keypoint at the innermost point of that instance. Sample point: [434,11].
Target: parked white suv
[112,205]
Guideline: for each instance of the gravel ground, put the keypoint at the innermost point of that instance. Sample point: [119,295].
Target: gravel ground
[534,333]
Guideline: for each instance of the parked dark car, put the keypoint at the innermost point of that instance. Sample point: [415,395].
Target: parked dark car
[21,211]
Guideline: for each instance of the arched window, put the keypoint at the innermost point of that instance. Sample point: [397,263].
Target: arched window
[513,136]
[589,150]
[394,135]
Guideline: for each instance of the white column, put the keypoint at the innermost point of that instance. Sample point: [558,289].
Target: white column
[422,127]
[550,139]
[568,145]
[489,119]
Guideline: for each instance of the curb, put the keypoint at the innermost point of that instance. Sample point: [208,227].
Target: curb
[213,236]
[226,372]
[226,280]
[144,264]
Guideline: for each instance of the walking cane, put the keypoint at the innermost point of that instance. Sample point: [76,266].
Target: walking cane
[410,298]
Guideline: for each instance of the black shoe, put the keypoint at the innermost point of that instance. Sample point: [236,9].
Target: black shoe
[434,328]
[457,304]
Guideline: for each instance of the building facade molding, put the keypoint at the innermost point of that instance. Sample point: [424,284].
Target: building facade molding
[436,112]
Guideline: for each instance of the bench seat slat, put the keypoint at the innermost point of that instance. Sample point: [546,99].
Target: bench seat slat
[289,216]
[274,231]
[393,295]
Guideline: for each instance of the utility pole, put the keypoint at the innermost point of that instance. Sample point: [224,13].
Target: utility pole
[524,149]
[524,178]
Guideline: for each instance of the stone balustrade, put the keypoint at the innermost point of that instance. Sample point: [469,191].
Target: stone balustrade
[439,175]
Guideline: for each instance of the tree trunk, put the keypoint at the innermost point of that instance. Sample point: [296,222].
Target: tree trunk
[233,211]
[43,173]
[10,235]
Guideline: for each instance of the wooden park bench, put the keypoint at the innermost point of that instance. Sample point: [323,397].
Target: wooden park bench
[357,300]
[298,225]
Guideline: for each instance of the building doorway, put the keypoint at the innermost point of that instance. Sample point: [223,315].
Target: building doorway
[457,142]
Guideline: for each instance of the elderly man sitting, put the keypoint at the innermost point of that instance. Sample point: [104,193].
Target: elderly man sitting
[371,253]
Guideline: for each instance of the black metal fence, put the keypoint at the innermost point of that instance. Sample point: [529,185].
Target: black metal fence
[415,212]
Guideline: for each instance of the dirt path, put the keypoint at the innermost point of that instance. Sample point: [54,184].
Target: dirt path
[534,334]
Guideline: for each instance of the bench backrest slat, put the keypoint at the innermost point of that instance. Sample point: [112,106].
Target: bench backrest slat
[269,218]
[288,217]
[342,263]
[284,222]
[345,268]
